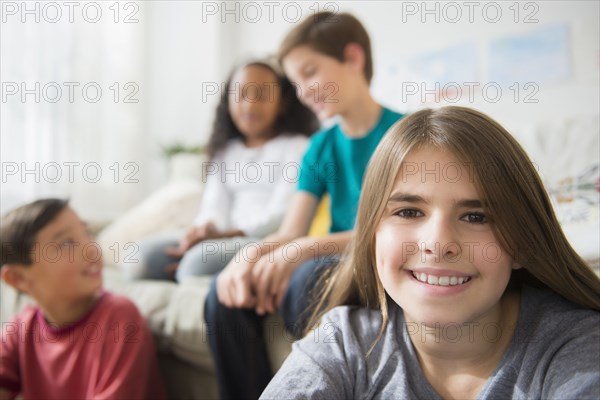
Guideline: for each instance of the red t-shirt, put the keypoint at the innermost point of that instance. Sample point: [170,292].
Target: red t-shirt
[107,354]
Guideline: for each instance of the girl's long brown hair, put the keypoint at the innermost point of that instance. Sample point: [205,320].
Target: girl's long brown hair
[524,221]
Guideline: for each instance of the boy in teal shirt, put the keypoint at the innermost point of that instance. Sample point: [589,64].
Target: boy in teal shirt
[328,57]
[335,164]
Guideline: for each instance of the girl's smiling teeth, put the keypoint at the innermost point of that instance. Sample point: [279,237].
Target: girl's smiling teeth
[440,280]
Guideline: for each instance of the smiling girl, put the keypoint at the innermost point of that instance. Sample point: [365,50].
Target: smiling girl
[259,135]
[459,282]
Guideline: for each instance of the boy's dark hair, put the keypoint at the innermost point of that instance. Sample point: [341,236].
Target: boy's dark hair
[19,229]
[329,33]
[295,118]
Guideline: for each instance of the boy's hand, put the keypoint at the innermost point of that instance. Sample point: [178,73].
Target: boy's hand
[271,276]
[234,284]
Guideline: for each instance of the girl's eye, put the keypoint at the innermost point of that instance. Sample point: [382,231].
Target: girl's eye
[409,213]
[68,242]
[475,218]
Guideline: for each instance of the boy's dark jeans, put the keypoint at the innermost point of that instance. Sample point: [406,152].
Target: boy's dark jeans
[236,336]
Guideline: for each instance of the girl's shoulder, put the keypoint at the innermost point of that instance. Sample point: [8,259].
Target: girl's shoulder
[286,147]
[555,350]
[287,138]
[280,141]
[234,143]
[231,149]
[546,303]
[543,313]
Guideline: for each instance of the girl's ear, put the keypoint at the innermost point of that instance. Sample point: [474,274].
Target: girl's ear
[516,266]
[15,277]
[354,55]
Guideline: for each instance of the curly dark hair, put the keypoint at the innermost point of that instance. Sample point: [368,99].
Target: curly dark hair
[296,119]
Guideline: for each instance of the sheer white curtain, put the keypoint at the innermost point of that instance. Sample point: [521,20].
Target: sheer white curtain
[72,107]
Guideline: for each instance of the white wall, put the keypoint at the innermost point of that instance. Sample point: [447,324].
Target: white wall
[396,33]
[182,54]
[179,47]
[178,38]
[191,43]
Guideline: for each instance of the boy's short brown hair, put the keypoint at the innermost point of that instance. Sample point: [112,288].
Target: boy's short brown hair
[19,229]
[329,33]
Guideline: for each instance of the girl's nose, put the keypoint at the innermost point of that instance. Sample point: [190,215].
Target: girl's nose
[247,104]
[439,240]
[305,91]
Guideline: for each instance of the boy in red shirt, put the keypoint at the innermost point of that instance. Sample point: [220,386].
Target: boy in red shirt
[79,342]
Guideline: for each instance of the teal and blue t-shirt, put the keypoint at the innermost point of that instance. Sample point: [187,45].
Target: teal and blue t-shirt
[335,163]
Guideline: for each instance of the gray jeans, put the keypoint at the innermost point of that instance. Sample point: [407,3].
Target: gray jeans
[205,258]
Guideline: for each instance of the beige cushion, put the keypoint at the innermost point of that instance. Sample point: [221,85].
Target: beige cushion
[173,207]
[185,326]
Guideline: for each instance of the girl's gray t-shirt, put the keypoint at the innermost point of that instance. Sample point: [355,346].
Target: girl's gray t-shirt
[554,354]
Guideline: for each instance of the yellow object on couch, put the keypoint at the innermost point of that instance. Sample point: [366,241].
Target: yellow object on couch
[322,220]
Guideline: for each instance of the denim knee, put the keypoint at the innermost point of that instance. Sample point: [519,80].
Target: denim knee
[297,304]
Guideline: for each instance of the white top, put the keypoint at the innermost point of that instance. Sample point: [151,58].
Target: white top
[249,188]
